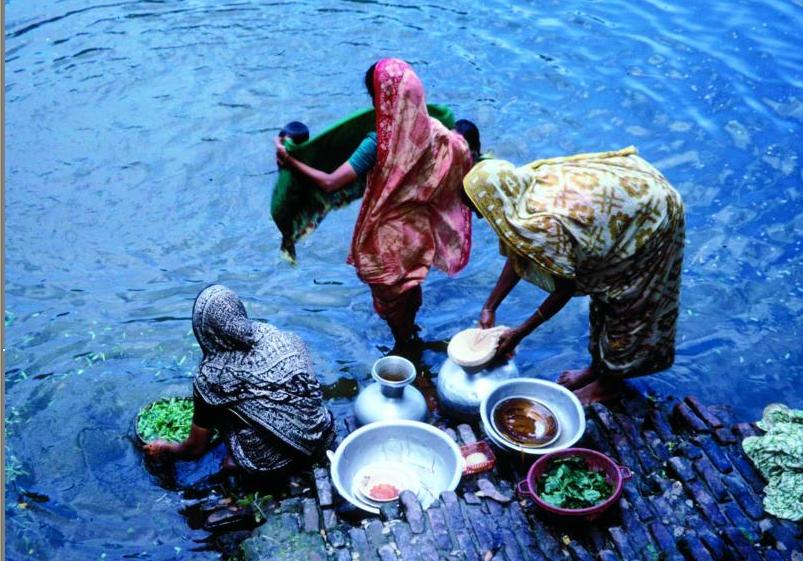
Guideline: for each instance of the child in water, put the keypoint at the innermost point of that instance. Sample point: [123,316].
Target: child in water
[296,131]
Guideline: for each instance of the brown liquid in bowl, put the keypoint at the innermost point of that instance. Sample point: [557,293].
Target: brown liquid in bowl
[525,421]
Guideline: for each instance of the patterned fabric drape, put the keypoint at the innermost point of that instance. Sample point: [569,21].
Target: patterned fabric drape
[612,223]
[412,215]
[263,376]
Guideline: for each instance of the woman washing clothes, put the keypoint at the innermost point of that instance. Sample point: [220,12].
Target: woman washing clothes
[413,215]
[256,386]
[606,225]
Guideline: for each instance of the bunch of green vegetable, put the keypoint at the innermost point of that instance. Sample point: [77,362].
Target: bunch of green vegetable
[569,483]
[166,419]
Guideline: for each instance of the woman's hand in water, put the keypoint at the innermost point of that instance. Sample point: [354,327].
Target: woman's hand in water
[281,151]
[487,318]
[158,448]
[508,341]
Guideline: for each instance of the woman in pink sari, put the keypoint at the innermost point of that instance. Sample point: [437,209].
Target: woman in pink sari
[412,215]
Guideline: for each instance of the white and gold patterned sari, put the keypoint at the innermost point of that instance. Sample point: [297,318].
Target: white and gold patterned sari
[610,222]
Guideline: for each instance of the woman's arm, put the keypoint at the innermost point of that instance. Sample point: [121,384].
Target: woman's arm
[190,449]
[564,290]
[507,280]
[327,182]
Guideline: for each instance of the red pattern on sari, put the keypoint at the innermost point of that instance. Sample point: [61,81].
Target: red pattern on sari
[412,215]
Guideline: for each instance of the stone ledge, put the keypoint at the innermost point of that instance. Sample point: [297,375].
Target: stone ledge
[694,496]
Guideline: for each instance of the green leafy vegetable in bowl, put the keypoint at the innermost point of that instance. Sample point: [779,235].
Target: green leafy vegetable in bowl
[569,483]
[166,419]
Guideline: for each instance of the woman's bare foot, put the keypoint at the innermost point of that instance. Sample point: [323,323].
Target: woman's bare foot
[574,379]
[599,390]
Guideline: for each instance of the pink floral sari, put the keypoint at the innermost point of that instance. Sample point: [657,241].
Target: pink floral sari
[412,215]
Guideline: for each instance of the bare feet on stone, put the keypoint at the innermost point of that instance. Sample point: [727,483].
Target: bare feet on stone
[598,391]
[574,379]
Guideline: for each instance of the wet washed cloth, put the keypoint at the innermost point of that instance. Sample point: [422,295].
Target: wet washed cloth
[612,223]
[412,216]
[263,379]
[778,455]
[297,205]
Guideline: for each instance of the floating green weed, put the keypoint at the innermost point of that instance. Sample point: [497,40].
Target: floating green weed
[14,469]
[166,419]
[256,501]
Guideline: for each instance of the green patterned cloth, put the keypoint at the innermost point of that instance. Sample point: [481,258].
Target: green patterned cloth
[297,205]
[779,457]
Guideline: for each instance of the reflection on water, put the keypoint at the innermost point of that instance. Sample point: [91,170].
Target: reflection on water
[138,170]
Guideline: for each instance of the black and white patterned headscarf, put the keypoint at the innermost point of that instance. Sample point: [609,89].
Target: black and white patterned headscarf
[262,375]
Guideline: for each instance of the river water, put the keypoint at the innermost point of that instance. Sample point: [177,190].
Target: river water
[139,167]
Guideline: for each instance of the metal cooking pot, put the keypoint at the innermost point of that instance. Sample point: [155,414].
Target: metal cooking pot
[563,403]
[392,396]
[596,461]
[426,453]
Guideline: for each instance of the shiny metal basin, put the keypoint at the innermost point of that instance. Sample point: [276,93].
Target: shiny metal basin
[423,451]
[563,403]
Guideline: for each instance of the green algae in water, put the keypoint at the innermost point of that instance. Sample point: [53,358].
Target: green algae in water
[166,419]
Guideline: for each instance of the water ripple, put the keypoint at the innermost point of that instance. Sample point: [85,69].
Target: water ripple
[139,170]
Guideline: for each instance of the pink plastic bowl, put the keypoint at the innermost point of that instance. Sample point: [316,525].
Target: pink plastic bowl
[614,473]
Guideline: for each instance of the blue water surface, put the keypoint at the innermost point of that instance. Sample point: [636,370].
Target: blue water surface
[138,169]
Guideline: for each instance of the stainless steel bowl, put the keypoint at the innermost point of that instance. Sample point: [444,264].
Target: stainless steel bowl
[427,453]
[563,403]
[543,444]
